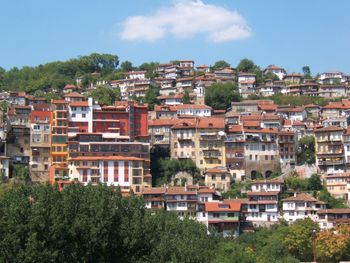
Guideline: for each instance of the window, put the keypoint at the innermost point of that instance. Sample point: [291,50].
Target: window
[213,177]
[73,115]
[266,157]
[216,215]
[223,177]
[83,115]
[36,127]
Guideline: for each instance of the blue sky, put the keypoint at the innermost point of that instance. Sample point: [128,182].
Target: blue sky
[288,33]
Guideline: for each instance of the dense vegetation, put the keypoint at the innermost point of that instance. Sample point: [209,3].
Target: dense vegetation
[220,95]
[97,224]
[306,151]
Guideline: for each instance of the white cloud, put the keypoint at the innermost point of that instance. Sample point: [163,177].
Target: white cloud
[185,19]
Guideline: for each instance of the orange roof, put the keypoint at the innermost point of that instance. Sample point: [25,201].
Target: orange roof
[227,206]
[235,128]
[268,107]
[211,123]
[170,108]
[347,132]
[179,190]
[262,193]
[334,211]
[329,129]
[185,124]
[59,101]
[251,124]
[162,122]
[206,191]
[153,190]
[251,117]
[79,104]
[70,86]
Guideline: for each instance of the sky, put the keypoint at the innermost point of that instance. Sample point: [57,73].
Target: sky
[288,33]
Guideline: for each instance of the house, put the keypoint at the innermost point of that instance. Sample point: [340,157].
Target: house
[193,110]
[183,84]
[218,178]
[182,201]
[246,84]
[165,111]
[167,86]
[226,74]
[292,78]
[334,110]
[136,75]
[154,197]
[174,99]
[329,149]
[186,67]
[159,131]
[69,88]
[331,218]
[234,151]
[278,71]
[203,68]
[300,206]
[332,77]
[224,216]
[287,142]
[292,113]
[333,91]
[261,152]
[346,141]
[313,111]
[336,184]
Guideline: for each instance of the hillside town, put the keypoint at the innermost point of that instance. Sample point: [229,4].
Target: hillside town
[76,139]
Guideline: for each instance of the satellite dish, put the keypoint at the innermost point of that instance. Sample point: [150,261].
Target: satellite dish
[221,133]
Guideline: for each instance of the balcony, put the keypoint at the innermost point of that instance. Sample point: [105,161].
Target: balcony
[331,162]
[184,138]
[211,154]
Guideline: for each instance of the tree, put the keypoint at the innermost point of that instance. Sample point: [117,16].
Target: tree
[307,72]
[151,97]
[126,66]
[306,151]
[186,99]
[221,64]
[270,75]
[248,66]
[332,202]
[20,172]
[150,68]
[94,224]
[298,239]
[314,183]
[234,252]
[333,245]
[104,95]
[220,95]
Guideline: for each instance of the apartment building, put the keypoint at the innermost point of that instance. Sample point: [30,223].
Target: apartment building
[261,152]
[336,184]
[210,143]
[159,131]
[331,218]
[18,135]
[40,129]
[154,197]
[182,201]
[262,202]
[246,84]
[300,206]
[234,150]
[224,216]
[123,171]
[329,149]
[346,142]
[278,71]
[287,143]
[219,178]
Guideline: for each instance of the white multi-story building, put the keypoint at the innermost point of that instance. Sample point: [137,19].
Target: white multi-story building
[332,77]
[279,72]
[194,110]
[301,206]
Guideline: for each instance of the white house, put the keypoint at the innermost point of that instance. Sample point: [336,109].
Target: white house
[301,206]
[194,110]
[279,72]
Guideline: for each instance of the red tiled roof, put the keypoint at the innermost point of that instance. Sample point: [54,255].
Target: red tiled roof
[334,211]
[262,193]
[153,190]
[301,197]
[192,106]
[211,123]
[217,170]
[329,129]
[70,86]
[251,124]
[107,158]
[162,122]
[264,130]
[228,206]
[235,128]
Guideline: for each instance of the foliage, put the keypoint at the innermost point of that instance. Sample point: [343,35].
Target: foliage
[248,66]
[220,95]
[296,183]
[234,252]
[20,172]
[307,72]
[332,202]
[157,153]
[221,64]
[333,245]
[104,95]
[186,99]
[298,239]
[126,66]
[151,97]
[55,75]
[94,224]
[150,69]
[306,151]
[270,75]
[237,190]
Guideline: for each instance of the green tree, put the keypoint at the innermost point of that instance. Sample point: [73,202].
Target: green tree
[20,172]
[315,183]
[220,95]
[332,202]
[234,252]
[186,99]
[104,95]
[298,239]
[307,72]
[150,68]
[151,97]
[221,64]
[126,66]
[306,151]
[248,66]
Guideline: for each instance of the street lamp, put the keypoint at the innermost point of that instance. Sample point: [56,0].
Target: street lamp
[313,235]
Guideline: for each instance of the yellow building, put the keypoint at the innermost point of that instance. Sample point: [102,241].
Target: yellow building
[59,141]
